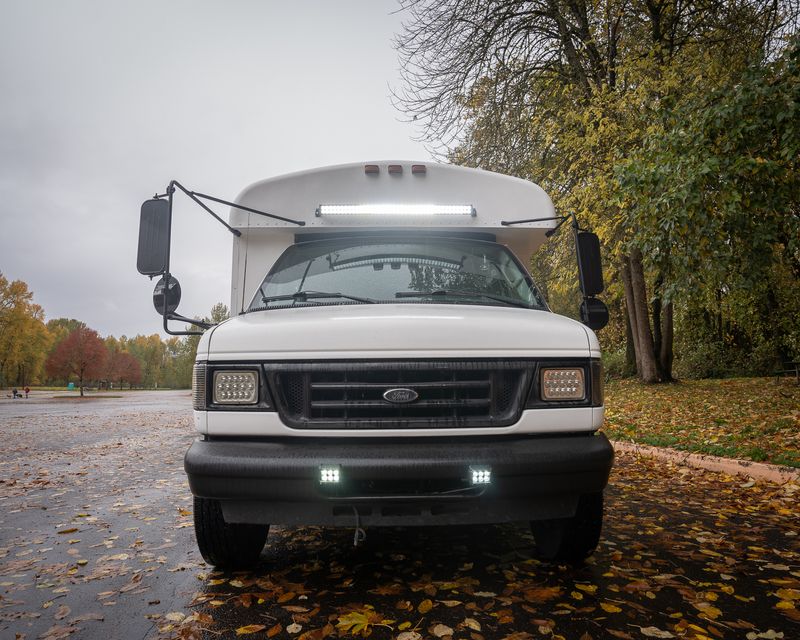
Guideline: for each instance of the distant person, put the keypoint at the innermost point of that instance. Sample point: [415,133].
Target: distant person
[15,393]
[27,391]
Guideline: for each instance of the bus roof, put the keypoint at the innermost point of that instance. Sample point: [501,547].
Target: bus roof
[389,193]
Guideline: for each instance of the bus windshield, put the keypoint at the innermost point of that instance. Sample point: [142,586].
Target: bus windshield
[363,270]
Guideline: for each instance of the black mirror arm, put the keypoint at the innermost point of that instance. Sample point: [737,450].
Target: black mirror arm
[190,194]
[198,323]
[176,316]
[195,195]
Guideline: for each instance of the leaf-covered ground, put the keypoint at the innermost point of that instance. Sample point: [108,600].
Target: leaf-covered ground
[747,418]
[96,542]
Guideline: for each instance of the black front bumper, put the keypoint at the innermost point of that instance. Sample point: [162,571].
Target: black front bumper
[398,482]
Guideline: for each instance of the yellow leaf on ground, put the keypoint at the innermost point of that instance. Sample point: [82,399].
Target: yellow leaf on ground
[250,628]
[425,606]
[610,608]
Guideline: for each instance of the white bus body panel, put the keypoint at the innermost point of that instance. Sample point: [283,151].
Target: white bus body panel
[398,331]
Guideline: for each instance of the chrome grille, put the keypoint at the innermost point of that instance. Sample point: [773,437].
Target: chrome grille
[450,394]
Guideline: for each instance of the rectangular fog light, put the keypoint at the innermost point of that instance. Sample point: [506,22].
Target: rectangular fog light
[329,474]
[563,384]
[481,475]
[235,387]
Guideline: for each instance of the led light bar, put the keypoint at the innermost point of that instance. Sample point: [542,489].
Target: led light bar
[329,474]
[481,475]
[396,210]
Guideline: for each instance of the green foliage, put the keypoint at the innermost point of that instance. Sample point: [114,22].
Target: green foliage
[615,364]
[713,198]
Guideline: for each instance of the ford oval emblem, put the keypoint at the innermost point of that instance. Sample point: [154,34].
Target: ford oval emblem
[400,396]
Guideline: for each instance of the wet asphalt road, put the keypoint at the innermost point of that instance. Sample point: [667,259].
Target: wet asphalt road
[96,541]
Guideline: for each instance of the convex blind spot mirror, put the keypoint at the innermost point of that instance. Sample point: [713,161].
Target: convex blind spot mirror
[594,313]
[590,267]
[154,223]
[173,295]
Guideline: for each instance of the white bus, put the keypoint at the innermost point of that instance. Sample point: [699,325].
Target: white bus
[390,361]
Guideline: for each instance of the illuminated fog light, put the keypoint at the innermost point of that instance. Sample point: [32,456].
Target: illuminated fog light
[481,475]
[329,474]
[563,384]
[395,210]
[235,387]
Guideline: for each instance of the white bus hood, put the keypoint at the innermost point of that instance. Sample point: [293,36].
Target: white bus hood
[409,330]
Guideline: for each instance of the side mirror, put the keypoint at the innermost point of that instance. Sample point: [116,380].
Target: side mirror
[172,293]
[154,228]
[590,268]
[594,313]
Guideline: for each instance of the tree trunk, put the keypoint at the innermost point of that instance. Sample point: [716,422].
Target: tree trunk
[625,272]
[665,354]
[657,338]
[647,356]
[630,349]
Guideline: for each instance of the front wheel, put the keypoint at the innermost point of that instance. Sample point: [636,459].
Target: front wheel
[226,545]
[574,539]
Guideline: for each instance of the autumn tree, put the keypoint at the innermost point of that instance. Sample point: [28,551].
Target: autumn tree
[24,339]
[121,366]
[723,179]
[560,93]
[81,354]
[128,369]
[150,351]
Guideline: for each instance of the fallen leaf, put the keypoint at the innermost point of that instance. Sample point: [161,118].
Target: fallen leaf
[655,632]
[425,606]
[441,630]
[472,623]
[450,603]
[250,628]
[770,634]
[63,612]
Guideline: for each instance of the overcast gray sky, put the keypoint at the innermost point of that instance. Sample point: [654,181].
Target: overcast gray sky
[102,103]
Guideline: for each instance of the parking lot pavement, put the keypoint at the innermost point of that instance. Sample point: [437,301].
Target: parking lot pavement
[96,542]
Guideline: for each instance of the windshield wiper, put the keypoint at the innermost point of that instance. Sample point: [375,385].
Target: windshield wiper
[303,296]
[462,294]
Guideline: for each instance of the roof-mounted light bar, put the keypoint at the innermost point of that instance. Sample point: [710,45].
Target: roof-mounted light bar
[396,210]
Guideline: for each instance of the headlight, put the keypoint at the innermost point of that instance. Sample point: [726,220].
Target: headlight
[235,387]
[199,386]
[563,384]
